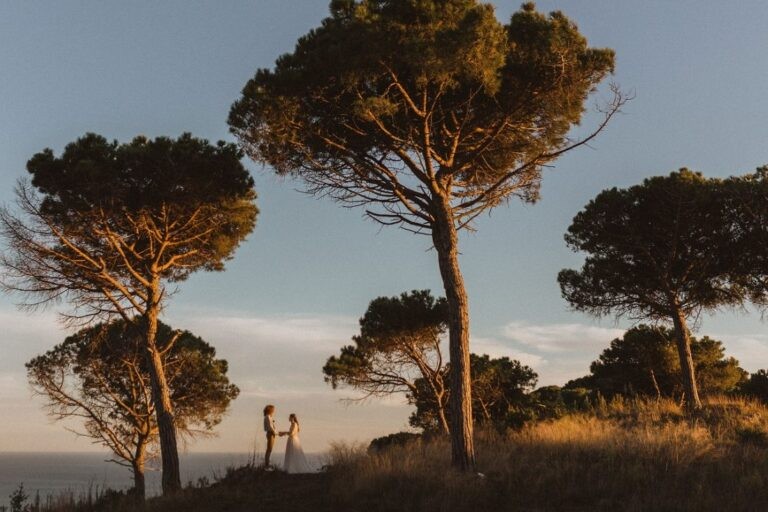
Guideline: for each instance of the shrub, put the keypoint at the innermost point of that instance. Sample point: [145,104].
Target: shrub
[397,439]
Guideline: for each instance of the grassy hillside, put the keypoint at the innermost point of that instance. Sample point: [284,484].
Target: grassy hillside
[622,456]
[626,455]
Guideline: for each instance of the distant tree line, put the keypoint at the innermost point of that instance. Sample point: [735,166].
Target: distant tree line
[399,351]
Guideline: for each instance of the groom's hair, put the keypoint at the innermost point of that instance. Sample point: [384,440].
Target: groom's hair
[269,409]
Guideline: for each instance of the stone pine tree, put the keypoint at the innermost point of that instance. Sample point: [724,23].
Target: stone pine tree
[652,254]
[426,114]
[500,392]
[745,251]
[756,386]
[644,361]
[100,376]
[108,227]
[398,346]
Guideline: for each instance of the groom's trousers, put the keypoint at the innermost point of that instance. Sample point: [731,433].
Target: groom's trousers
[270,444]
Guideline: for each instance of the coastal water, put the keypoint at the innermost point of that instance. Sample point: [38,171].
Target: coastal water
[79,473]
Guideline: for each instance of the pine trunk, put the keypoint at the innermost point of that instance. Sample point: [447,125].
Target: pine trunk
[692,401]
[444,428]
[137,465]
[655,385]
[161,396]
[139,487]
[437,384]
[445,239]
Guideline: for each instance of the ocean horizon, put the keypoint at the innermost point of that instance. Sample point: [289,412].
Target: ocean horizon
[53,473]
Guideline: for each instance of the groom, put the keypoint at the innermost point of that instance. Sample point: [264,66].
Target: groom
[271,430]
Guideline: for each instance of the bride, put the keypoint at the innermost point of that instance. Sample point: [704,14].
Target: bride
[295,461]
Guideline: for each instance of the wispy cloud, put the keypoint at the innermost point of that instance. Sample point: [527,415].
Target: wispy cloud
[561,338]
[750,349]
[557,352]
[308,332]
[504,348]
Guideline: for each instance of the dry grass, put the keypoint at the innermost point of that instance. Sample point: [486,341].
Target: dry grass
[626,455]
[244,489]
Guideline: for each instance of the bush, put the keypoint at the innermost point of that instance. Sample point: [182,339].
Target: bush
[756,386]
[397,439]
[552,402]
[19,499]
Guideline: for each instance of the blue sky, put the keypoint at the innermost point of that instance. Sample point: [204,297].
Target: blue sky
[291,296]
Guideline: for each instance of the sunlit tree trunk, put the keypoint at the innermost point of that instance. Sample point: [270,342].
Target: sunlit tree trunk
[655,384]
[683,339]
[137,466]
[437,385]
[161,397]
[139,487]
[445,240]
[444,428]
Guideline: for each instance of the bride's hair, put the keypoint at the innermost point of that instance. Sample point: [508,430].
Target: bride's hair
[269,409]
[295,418]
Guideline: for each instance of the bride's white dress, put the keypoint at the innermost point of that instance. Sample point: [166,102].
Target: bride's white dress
[295,461]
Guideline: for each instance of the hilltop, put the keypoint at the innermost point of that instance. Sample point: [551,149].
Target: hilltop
[629,455]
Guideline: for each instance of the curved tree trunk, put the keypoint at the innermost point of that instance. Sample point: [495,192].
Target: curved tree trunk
[655,384]
[444,428]
[683,339]
[440,404]
[445,240]
[437,385]
[161,397]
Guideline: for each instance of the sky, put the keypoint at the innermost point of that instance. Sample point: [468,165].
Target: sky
[292,295]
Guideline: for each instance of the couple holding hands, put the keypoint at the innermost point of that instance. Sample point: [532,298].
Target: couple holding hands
[295,461]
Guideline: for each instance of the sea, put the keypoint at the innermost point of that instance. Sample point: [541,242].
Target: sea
[83,473]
